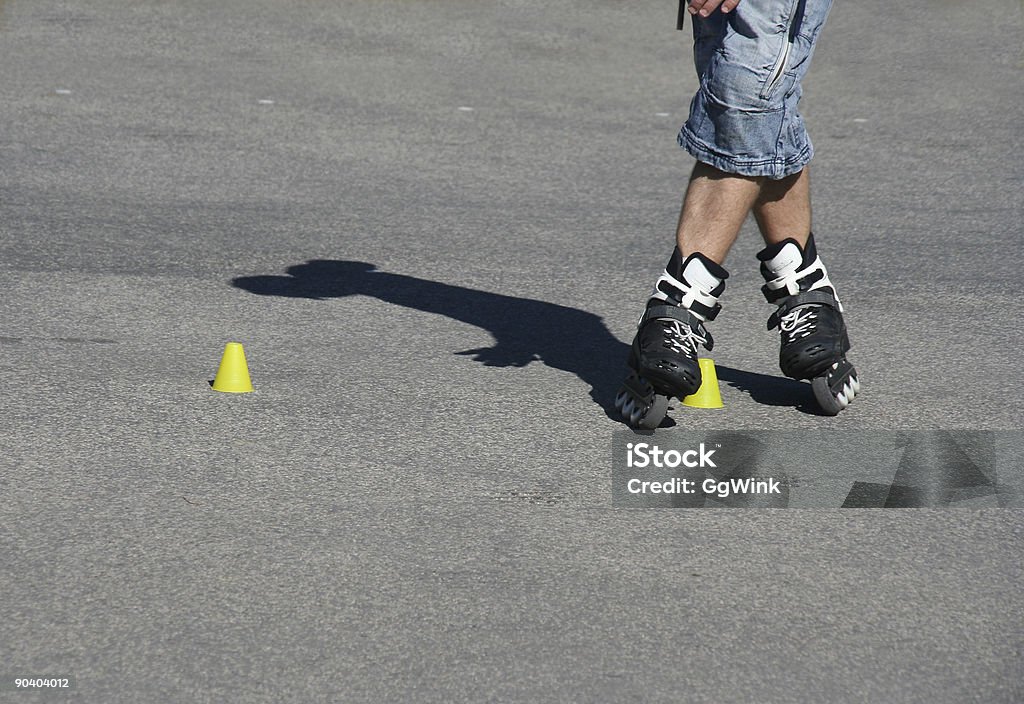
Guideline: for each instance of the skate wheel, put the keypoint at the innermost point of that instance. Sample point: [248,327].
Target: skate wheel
[639,405]
[620,399]
[636,415]
[628,407]
[832,400]
[655,414]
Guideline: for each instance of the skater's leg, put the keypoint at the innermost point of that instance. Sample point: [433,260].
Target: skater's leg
[713,211]
[783,208]
[809,316]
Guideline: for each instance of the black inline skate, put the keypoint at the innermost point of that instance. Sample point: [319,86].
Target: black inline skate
[663,358]
[810,322]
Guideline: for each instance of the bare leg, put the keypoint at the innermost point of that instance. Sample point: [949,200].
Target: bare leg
[714,209]
[783,209]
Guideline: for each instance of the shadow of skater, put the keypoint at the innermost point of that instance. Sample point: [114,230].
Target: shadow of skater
[772,390]
[524,330]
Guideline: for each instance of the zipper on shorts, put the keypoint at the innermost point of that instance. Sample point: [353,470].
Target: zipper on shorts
[778,70]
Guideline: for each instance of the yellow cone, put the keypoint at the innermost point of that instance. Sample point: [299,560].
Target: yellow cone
[708,395]
[233,374]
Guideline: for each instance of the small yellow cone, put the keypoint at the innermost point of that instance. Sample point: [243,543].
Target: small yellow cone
[233,374]
[708,395]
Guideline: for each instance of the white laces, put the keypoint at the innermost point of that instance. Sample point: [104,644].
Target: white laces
[799,322]
[685,340]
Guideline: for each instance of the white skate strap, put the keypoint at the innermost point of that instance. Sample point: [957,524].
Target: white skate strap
[703,305]
[789,284]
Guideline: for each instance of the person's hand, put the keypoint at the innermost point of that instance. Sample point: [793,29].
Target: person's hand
[706,7]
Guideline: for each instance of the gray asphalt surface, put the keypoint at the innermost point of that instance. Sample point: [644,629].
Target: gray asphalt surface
[432,225]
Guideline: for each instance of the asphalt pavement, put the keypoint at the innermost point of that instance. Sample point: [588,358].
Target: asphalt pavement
[432,225]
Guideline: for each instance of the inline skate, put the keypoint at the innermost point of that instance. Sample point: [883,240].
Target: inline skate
[810,322]
[663,357]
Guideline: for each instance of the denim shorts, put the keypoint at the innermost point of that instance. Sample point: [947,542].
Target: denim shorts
[744,118]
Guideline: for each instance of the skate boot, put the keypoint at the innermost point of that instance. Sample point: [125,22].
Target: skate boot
[663,358]
[810,322]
